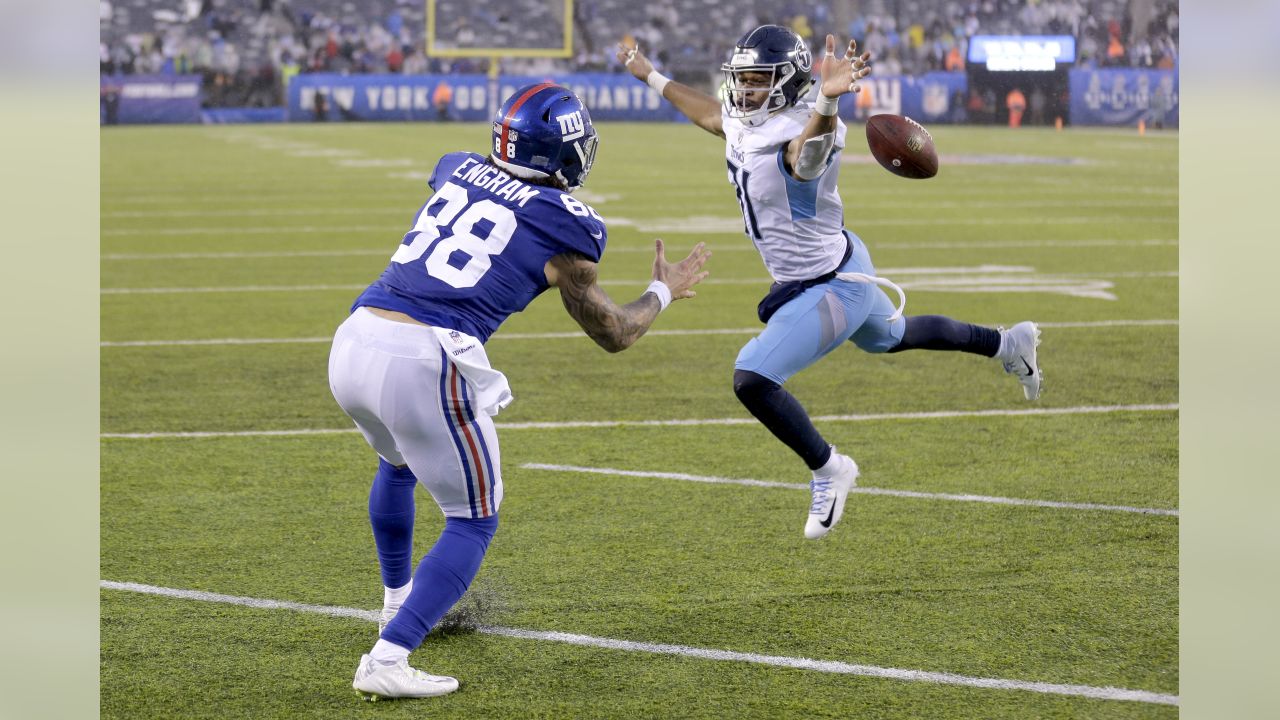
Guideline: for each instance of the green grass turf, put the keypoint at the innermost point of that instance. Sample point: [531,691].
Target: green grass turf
[1064,596]
[284,386]
[665,561]
[237,662]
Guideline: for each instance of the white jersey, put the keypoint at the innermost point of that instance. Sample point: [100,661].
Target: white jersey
[797,226]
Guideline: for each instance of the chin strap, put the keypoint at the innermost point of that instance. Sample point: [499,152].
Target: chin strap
[882,282]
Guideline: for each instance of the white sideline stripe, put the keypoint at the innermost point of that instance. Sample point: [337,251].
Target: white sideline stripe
[570,424]
[827,666]
[1045,220]
[231,289]
[994,500]
[228,433]
[694,225]
[735,247]
[572,334]
[979,283]
[962,245]
[280,212]
[247,255]
[233,231]
[935,415]
[308,212]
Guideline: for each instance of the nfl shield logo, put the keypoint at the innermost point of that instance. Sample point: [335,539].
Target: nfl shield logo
[455,336]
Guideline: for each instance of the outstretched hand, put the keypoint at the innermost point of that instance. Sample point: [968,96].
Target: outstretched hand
[841,75]
[681,276]
[635,61]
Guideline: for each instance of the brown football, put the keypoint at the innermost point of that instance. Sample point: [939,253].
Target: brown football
[902,146]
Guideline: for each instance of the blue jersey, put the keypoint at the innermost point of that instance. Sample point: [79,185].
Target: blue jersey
[478,247]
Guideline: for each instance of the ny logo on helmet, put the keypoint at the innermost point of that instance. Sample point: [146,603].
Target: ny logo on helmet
[571,126]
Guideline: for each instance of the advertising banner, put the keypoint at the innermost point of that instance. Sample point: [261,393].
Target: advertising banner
[936,97]
[130,99]
[1109,96]
[325,97]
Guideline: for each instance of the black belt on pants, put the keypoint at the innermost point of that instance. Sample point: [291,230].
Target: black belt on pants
[781,293]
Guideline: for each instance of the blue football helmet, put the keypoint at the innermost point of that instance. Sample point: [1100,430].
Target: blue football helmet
[544,130]
[771,49]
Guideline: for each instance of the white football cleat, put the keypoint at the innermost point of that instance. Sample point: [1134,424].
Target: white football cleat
[1023,339]
[375,680]
[829,494]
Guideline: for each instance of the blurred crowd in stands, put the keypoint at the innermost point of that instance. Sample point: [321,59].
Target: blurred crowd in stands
[246,50]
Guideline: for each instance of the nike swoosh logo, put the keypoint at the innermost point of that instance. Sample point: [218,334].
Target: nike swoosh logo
[597,235]
[830,514]
[1027,365]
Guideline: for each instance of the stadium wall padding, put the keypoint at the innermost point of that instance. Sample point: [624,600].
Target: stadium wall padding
[1122,96]
[1106,96]
[149,99]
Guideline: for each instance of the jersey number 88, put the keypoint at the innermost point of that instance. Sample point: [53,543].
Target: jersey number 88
[479,250]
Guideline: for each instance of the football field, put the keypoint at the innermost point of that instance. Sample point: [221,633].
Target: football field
[1001,559]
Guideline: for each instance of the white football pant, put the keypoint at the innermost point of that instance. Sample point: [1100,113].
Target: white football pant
[414,408]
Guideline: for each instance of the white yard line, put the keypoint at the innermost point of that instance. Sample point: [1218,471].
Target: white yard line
[259,212]
[976,244]
[401,209]
[993,278]
[857,490]
[570,335]
[1007,221]
[382,252]
[613,250]
[1123,274]
[1107,323]
[798,663]
[228,289]
[934,415]
[697,225]
[575,424]
[233,231]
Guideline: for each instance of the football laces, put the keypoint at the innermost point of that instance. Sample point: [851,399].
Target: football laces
[919,126]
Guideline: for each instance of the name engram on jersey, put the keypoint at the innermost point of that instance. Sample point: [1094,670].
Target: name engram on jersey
[478,247]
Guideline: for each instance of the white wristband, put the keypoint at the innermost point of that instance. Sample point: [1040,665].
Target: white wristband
[657,80]
[659,288]
[825,105]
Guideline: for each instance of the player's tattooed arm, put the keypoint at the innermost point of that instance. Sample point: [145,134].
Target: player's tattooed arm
[617,327]
[614,327]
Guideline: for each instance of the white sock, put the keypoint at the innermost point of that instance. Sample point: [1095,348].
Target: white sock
[388,653]
[832,466]
[1006,347]
[394,597]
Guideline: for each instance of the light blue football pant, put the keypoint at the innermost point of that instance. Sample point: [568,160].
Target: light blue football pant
[821,318]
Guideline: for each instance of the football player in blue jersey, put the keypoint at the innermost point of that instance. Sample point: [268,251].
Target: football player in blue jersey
[409,365]
[783,157]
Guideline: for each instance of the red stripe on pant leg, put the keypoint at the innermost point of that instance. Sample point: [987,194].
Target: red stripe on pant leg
[477,461]
[511,115]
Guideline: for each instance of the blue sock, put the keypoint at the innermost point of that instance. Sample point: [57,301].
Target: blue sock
[782,414]
[441,579]
[391,515]
[935,332]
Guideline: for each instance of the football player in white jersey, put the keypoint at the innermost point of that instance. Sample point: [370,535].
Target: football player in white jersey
[783,159]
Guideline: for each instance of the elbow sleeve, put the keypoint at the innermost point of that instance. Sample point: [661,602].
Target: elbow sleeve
[813,156]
